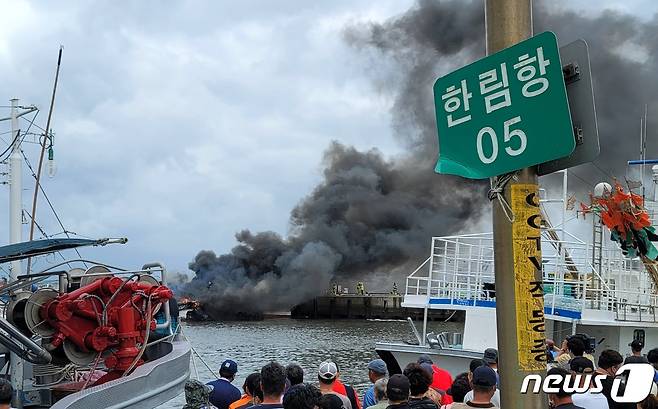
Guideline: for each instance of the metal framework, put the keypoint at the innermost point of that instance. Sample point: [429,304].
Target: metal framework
[460,273]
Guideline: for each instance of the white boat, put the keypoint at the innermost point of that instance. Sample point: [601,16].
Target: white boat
[589,288]
[87,337]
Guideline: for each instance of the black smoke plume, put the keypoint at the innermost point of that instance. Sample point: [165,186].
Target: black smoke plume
[371,213]
[368,214]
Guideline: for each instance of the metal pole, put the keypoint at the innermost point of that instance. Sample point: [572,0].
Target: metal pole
[15,189]
[46,137]
[423,341]
[517,254]
[427,302]
[564,213]
[15,235]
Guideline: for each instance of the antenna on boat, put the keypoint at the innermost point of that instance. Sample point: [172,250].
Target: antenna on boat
[46,138]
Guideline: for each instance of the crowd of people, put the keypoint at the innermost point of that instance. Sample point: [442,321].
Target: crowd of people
[572,358]
[421,385]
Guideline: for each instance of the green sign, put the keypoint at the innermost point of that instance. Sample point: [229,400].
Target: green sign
[505,112]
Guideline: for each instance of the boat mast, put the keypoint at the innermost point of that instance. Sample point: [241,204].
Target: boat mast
[47,137]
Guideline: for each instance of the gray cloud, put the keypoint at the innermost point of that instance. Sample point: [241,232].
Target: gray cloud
[179,125]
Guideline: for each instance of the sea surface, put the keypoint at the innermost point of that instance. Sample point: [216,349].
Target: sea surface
[252,344]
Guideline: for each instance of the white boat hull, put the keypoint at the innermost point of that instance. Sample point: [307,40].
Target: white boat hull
[398,356]
[149,386]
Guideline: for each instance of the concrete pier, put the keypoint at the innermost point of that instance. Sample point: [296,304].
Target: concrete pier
[349,306]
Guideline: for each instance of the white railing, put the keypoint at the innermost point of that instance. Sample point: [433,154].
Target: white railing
[460,270]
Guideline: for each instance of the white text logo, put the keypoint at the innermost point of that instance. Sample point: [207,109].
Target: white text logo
[639,378]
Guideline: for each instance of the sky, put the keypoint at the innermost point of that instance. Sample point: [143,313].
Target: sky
[179,126]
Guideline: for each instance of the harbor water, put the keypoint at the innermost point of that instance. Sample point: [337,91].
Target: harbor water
[349,343]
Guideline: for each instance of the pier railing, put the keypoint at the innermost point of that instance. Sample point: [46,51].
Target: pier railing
[460,271]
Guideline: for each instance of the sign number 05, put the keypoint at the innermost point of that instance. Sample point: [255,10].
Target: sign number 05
[508,135]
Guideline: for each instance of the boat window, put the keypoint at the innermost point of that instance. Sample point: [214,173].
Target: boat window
[638,334]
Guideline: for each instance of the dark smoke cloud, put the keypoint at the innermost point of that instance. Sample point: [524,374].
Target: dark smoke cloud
[432,38]
[370,213]
[623,52]
[242,284]
[435,37]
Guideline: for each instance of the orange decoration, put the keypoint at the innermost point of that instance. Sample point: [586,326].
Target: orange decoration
[619,210]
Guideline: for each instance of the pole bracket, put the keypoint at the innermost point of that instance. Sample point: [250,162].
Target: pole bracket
[571,73]
[496,192]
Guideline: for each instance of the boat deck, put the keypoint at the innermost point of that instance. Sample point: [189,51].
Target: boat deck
[580,282]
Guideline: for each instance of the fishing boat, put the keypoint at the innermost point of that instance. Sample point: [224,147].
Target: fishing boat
[590,288]
[80,339]
[81,333]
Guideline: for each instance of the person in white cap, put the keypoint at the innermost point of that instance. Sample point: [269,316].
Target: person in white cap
[327,376]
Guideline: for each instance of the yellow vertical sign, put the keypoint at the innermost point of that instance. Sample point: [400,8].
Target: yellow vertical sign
[526,236]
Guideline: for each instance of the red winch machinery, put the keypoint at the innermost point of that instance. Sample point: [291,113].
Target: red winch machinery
[109,318]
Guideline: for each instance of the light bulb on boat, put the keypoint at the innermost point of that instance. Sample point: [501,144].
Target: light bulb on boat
[51,165]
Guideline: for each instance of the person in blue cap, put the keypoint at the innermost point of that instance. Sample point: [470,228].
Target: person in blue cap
[483,382]
[224,393]
[376,371]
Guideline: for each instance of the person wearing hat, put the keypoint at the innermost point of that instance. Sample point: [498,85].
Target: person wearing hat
[583,366]
[441,379]
[328,376]
[376,371]
[490,357]
[197,395]
[224,393]
[475,364]
[636,353]
[397,390]
[483,383]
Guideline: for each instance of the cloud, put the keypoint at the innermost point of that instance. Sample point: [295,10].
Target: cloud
[177,126]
